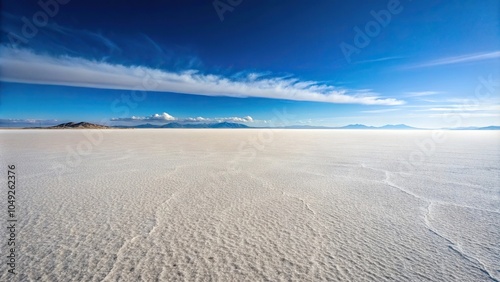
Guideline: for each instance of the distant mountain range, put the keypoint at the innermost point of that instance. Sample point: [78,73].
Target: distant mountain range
[189,125]
[87,125]
[387,127]
[355,126]
[476,128]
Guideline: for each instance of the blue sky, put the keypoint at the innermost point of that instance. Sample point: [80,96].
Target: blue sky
[423,63]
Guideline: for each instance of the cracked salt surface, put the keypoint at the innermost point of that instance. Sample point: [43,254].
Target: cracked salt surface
[313,205]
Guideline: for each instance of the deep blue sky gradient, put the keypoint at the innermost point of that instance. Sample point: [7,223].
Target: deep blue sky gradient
[297,39]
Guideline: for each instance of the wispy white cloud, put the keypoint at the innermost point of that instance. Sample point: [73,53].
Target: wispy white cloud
[464,115]
[379,60]
[465,108]
[155,117]
[24,66]
[165,117]
[422,93]
[54,34]
[380,111]
[459,59]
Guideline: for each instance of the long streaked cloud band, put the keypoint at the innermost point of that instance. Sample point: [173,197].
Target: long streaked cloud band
[24,66]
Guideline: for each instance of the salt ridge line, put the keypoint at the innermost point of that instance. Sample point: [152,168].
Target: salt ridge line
[451,244]
[156,217]
[270,186]
[455,246]
[305,205]
[388,182]
[126,242]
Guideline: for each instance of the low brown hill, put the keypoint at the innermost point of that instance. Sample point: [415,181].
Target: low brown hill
[79,125]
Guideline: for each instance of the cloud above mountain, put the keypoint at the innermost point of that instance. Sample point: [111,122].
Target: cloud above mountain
[165,117]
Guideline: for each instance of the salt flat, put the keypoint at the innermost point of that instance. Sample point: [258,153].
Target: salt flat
[254,205]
